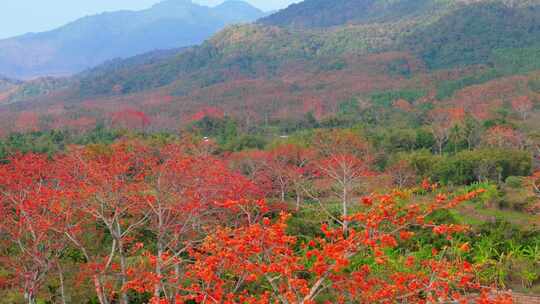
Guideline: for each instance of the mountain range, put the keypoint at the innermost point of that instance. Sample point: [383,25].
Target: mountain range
[92,40]
[313,57]
[440,34]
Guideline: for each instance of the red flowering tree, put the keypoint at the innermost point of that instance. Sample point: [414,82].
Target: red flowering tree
[210,112]
[523,106]
[443,122]
[403,105]
[343,162]
[533,184]
[504,137]
[105,185]
[290,167]
[261,263]
[130,119]
[27,122]
[402,173]
[30,240]
[252,164]
[190,195]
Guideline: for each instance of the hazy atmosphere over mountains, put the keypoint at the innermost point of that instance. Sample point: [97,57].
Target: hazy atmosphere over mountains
[41,16]
[92,40]
[314,34]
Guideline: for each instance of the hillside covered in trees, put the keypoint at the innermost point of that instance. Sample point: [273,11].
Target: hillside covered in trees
[347,151]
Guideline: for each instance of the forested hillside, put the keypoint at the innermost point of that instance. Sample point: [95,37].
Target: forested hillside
[473,34]
[338,151]
[446,36]
[465,44]
[322,13]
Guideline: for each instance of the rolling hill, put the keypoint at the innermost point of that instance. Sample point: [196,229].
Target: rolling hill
[7,86]
[472,34]
[323,13]
[7,83]
[92,40]
[467,34]
[276,70]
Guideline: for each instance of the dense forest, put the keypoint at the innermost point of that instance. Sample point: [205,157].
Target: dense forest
[342,214]
[351,151]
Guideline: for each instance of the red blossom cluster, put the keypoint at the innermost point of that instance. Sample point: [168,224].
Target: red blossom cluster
[184,227]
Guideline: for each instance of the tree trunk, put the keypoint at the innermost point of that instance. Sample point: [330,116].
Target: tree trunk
[30,288]
[282,187]
[29,297]
[160,246]
[298,199]
[177,274]
[345,211]
[102,298]
[123,264]
[61,279]
[159,262]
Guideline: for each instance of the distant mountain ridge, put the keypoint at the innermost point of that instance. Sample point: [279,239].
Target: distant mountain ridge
[7,82]
[92,40]
[440,33]
[311,14]
[7,85]
[432,51]
[324,13]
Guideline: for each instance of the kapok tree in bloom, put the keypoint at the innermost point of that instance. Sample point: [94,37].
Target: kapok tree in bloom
[288,167]
[106,186]
[261,263]
[343,161]
[188,196]
[443,120]
[30,210]
[523,106]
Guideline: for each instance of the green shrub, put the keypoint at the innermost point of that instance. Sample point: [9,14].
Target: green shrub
[514,182]
[386,99]
[245,142]
[516,60]
[494,165]
[447,89]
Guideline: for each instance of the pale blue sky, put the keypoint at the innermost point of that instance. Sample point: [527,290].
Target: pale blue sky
[22,16]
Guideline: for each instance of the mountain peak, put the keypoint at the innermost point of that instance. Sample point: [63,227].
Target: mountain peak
[93,40]
[174,5]
[236,5]
[233,3]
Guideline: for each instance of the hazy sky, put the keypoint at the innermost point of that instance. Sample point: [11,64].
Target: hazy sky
[22,16]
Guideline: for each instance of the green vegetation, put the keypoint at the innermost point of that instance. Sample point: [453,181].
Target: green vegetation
[320,13]
[446,89]
[469,35]
[381,73]
[51,142]
[505,62]
[386,99]
[516,60]
[443,35]
[479,165]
